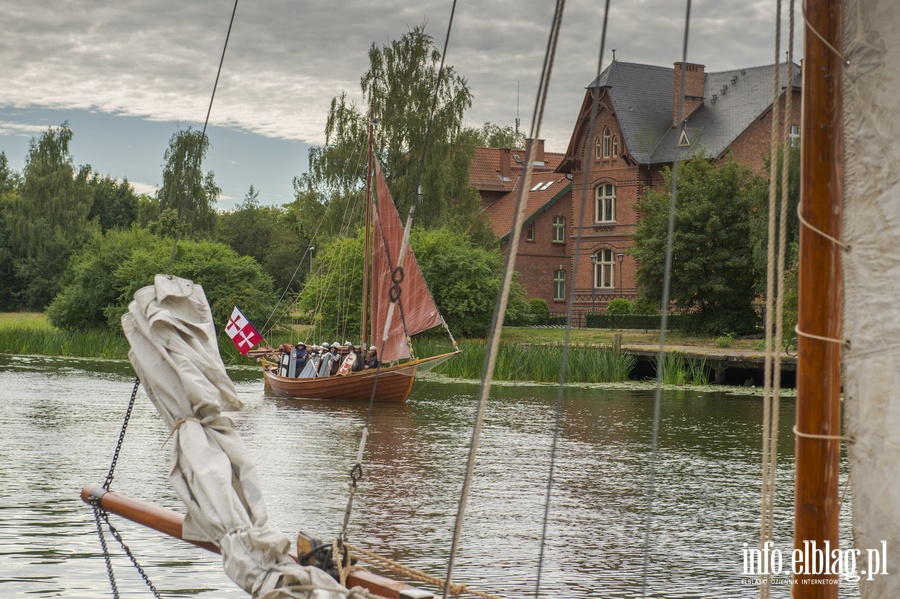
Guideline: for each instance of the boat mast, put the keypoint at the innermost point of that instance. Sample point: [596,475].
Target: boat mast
[817,446]
[367,252]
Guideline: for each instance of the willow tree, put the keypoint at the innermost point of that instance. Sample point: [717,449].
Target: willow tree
[186,190]
[400,88]
[48,220]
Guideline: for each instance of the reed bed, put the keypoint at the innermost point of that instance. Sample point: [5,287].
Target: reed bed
[678,369]
[534,362]
[53,342]
[47,341]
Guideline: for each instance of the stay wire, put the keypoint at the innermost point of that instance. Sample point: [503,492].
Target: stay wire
[203,141]
[356,471]
[570,311]
[664,316]
[503,299]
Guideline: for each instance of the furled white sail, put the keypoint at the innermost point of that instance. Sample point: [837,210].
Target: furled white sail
[872,284]
[174,352]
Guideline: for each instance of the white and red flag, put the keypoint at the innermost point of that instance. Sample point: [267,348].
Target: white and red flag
[242,332]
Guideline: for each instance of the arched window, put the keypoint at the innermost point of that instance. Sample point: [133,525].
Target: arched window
[615,145]
[605,204]
[607,143]
[559,285]
[598,148]
[604,269]
[559,229]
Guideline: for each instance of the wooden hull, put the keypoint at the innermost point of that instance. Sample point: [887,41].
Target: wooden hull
[389,384]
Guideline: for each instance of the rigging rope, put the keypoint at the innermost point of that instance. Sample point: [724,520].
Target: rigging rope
[356,471]
[775,278]
[664,316]
[570,309]
[508,271]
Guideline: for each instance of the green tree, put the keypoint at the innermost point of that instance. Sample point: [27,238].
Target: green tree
[9,179]
[115,204]
[102,280]
[495,136]
[714,274]
[400,85]
[463,278]
[48,220]
[270,236]
[186,189]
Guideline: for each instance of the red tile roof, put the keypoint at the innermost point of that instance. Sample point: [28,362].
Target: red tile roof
[485,175]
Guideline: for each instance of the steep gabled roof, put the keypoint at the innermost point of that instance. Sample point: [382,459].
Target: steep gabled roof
[642,100]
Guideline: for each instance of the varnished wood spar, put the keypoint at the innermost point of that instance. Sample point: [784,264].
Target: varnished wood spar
[170,523]
[818,362]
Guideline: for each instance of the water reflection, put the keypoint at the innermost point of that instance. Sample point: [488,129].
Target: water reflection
[61,419]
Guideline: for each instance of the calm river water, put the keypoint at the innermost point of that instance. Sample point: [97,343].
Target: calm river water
[60,420]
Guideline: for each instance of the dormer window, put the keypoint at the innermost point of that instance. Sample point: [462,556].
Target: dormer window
[598,148]
[607,143]
[615,146]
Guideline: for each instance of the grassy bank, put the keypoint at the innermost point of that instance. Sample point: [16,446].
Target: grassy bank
[525,354]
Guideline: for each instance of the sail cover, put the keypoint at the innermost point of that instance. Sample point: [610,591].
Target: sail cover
[174,352]
[872,284]
[416,308]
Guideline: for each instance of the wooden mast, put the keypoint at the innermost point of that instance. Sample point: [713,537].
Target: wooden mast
[818,365]
[367,252]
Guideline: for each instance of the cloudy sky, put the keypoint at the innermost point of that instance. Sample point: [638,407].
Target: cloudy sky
[126,75]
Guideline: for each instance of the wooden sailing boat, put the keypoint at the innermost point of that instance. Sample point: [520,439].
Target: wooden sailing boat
[415,311]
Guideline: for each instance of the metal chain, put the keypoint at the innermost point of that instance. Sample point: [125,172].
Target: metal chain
[109,569]
[115,458]
[134,562]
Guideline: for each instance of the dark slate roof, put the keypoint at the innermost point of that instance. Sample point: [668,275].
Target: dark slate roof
[733,100]
[642,99]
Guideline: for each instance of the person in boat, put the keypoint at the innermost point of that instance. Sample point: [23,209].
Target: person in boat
[371,360]
[336,358]
[349,361]
[326,360]
[358,364]
[302,356]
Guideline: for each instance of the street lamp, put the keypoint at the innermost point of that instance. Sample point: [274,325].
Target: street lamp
[621,257]
[312,251]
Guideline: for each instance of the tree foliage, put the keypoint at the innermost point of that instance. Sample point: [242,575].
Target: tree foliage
[400,85]
[496,136]
[114,205]
[714,273]
[464,280]
[101,281]
[48,219]
[186,189]
[271,237]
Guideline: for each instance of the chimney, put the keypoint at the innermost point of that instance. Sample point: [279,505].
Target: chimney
[537,151]
[694,81]
[505,156]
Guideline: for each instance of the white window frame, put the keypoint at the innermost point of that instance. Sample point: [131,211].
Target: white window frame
[604,269]
[559,229]
[605,203]
[559,284]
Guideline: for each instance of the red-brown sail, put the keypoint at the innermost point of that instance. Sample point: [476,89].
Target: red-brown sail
[416,310]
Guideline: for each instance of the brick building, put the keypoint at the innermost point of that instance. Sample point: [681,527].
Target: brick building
[590,191]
